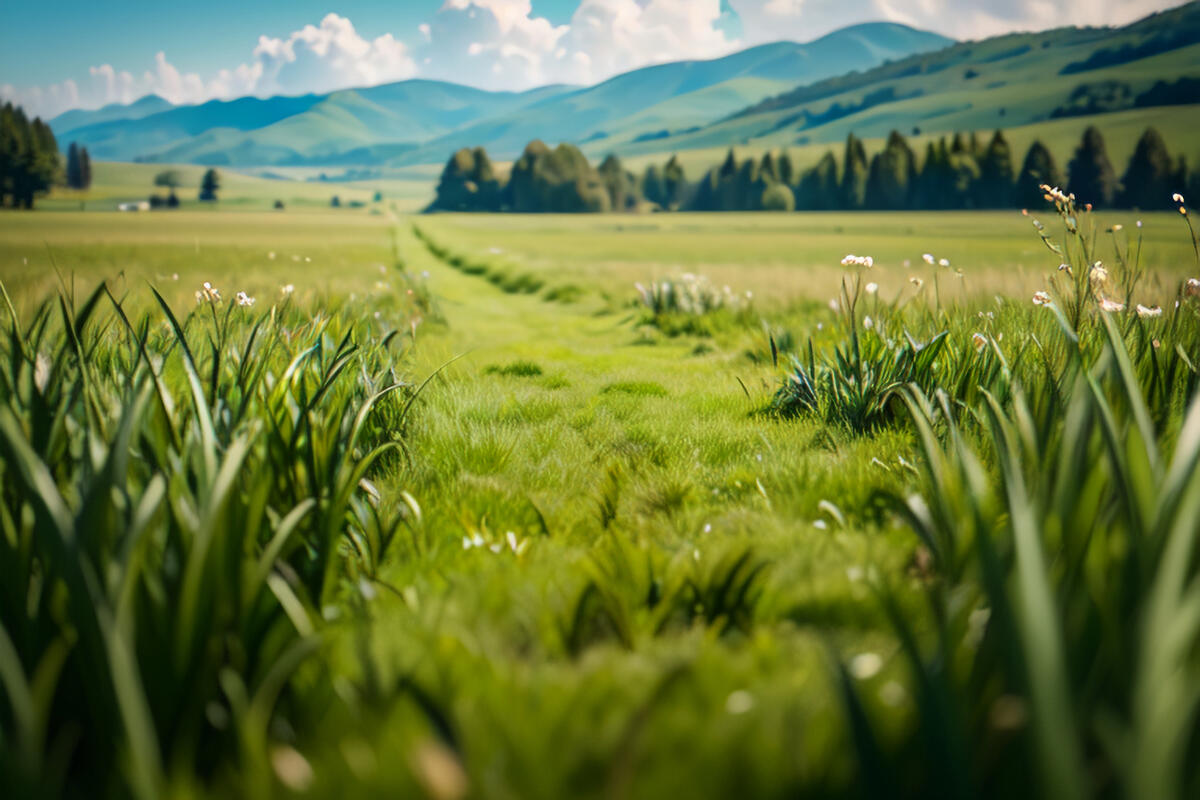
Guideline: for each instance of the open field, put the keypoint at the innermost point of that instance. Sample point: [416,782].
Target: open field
[621,565]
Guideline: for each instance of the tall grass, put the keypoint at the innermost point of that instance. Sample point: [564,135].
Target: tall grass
[180,500]
[1059,508]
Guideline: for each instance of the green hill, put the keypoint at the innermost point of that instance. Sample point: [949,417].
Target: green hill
[1010,81]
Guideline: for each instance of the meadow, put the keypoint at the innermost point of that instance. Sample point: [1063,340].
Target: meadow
[453,509]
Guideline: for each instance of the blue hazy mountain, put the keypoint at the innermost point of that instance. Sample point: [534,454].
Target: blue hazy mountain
[421,120]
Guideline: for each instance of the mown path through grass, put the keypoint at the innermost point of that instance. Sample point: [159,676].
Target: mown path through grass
[603,513]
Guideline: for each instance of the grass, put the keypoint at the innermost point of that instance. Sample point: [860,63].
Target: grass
[590,560]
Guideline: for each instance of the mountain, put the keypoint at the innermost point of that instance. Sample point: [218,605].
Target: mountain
[1006,81]
[78,117]
[666,98]
[419,120]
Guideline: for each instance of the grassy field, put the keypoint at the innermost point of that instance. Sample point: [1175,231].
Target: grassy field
[612,548]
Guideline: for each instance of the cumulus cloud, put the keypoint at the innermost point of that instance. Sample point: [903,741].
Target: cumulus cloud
[502,44]
[316,58]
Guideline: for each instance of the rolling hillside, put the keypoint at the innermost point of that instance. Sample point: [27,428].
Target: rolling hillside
[1010,81]
[415,121]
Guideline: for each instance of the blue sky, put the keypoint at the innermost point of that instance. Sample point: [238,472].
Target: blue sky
[82,53]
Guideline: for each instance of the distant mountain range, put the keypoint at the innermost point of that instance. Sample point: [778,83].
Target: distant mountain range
[1006,81]
[420,121]
[867,79]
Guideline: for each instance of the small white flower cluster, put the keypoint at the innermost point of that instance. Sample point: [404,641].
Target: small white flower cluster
[1041,299]
[980,341]
[1056,195]
[1192,287]
[515,545]
[858,261]
[929,259]
[691,294]
[208,294]
[287,289]
[1178,199]
[1149,312]
[244,299]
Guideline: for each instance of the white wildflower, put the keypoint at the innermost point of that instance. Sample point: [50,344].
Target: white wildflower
[943,262]
[872,288]
[868,323]
[287,289]
[1041,299]
[1177,197]
[1111,306]
[928,258]
[980,342]
[244,299]
[1192,287]
[1149,311]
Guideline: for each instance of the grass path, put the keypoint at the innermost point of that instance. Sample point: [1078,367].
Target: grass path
[634,465]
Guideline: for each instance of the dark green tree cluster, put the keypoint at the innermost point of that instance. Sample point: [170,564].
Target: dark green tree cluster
[542,180]
[210,184]
[29,159]
[961,173]
[79,167]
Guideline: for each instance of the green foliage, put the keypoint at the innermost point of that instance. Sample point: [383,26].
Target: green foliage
[1092,179]
[1039,169]
[210,184]
[29,159]
[1151,177]
[853,190]
[156,605]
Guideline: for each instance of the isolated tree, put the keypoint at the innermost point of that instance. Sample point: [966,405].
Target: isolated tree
[1091,176]
[995,188]
[170,178]
[1039,169]
[1151,177]
[210,184]
[889,184]
[854,174]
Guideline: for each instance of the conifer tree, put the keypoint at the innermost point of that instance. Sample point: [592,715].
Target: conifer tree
[1151,177]
[819,190]
[674,184]
[652,187]
[74,168]
[210,184]
[854,174]
[889,185]
[787,170]
[995,175]
[1090,174]
[1039,169]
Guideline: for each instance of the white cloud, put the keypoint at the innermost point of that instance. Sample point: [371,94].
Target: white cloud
[501,44]
[770,20]
[316,58]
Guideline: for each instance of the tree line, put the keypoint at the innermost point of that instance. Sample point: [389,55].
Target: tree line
[29,159]
[959,172]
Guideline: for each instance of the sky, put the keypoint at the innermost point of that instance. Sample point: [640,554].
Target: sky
[57,55]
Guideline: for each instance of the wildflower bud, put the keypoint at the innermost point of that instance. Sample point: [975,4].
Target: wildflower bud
[1148,312]
[980,342]
[1041,299]
[1178,198]
[1111,306]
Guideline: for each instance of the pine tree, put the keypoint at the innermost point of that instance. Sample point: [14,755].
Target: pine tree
[819,190]
[787,170]
[1039,169]
[674,184]
[74,167]
[1091,176]
[995,175]
[889,185]
[1151,176]
[210,184]
[854,174]
[85,169]
[768,168]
